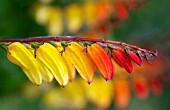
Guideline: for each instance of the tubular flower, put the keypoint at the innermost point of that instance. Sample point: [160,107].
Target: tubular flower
[102,60]
[45,72]
[155,86]
[122,59]
[21,56]
[99,92]
[70,67]
[134,57]
[141,87]
[121,10]
[81,61]
[53,60]
[121,92]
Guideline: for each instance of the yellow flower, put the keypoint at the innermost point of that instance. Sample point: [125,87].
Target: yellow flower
[21,56]
[45,72]
[73,15]
[49,62]
[81,61]
[53,60]
[71,68]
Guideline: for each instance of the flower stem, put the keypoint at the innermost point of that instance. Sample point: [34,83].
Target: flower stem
[74,38]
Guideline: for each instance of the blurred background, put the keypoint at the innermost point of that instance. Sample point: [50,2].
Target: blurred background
[145,23]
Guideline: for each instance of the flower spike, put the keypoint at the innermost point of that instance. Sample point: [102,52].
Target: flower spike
[45,58]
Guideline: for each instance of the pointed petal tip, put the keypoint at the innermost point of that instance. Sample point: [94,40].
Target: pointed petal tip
[37,84]
[89,82]
[108,78]
[48,82]
[129,71]
[63,85]
[71,79]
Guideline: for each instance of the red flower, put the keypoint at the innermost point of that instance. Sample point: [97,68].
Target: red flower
[141,87]
[121,10]
[156,86]
[134,57]
[122,59]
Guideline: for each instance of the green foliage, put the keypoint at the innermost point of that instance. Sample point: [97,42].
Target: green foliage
[149,23]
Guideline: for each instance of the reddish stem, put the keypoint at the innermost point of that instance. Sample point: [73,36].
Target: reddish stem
[72,38]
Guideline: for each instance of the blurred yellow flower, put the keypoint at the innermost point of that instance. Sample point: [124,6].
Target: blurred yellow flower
[74,18]
[51,17]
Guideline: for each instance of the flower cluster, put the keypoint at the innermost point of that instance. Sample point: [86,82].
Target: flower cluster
[145,81]
[60,59]
[76,15]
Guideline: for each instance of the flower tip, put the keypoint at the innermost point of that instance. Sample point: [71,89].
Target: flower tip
[37,84]
[71,79]
[140,64]
[129,71]
[89,82]
[48,82]
[108,78]
[62,86]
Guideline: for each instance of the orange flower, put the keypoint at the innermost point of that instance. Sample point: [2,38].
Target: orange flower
[121,92]
[102,60]
[79,58]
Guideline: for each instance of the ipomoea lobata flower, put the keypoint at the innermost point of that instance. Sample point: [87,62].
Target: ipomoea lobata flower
[21,56]
[53,60]
[102,60]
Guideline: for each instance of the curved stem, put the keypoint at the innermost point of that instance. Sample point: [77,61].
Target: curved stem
[72,38]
